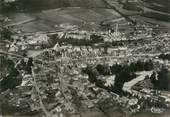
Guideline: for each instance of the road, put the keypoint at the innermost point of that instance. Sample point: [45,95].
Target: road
[128,85]
[85,58]
[11,54]
[21,22]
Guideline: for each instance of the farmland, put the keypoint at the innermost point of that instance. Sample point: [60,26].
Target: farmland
[36,5]
[47,19]
[160,5]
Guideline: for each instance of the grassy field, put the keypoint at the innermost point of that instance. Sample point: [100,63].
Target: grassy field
[34,5]
[47,19]
[160,5]
[157,16]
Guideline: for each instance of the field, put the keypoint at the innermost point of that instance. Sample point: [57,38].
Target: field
[35,5]
[47,19]
[157,16]
[160,5]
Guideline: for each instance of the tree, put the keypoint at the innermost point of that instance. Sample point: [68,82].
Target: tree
[116,68]
[148,65]
[11,80]
[121,78]
[139,66]
[6,33]
[92,72]
[163,79]
[103,69]
[154,79]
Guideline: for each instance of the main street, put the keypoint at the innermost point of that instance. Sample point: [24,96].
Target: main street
[85,58]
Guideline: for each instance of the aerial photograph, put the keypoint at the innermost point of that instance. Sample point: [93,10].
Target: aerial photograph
[84,58]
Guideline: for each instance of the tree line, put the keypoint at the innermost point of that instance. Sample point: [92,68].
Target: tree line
[123,73]
[164,56]
[161,79]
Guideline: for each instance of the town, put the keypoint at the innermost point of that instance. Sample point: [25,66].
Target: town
[73,70]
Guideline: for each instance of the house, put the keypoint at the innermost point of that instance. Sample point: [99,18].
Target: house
[117,51]
[38,41]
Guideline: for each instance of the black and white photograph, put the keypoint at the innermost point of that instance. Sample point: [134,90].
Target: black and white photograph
[84,58]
